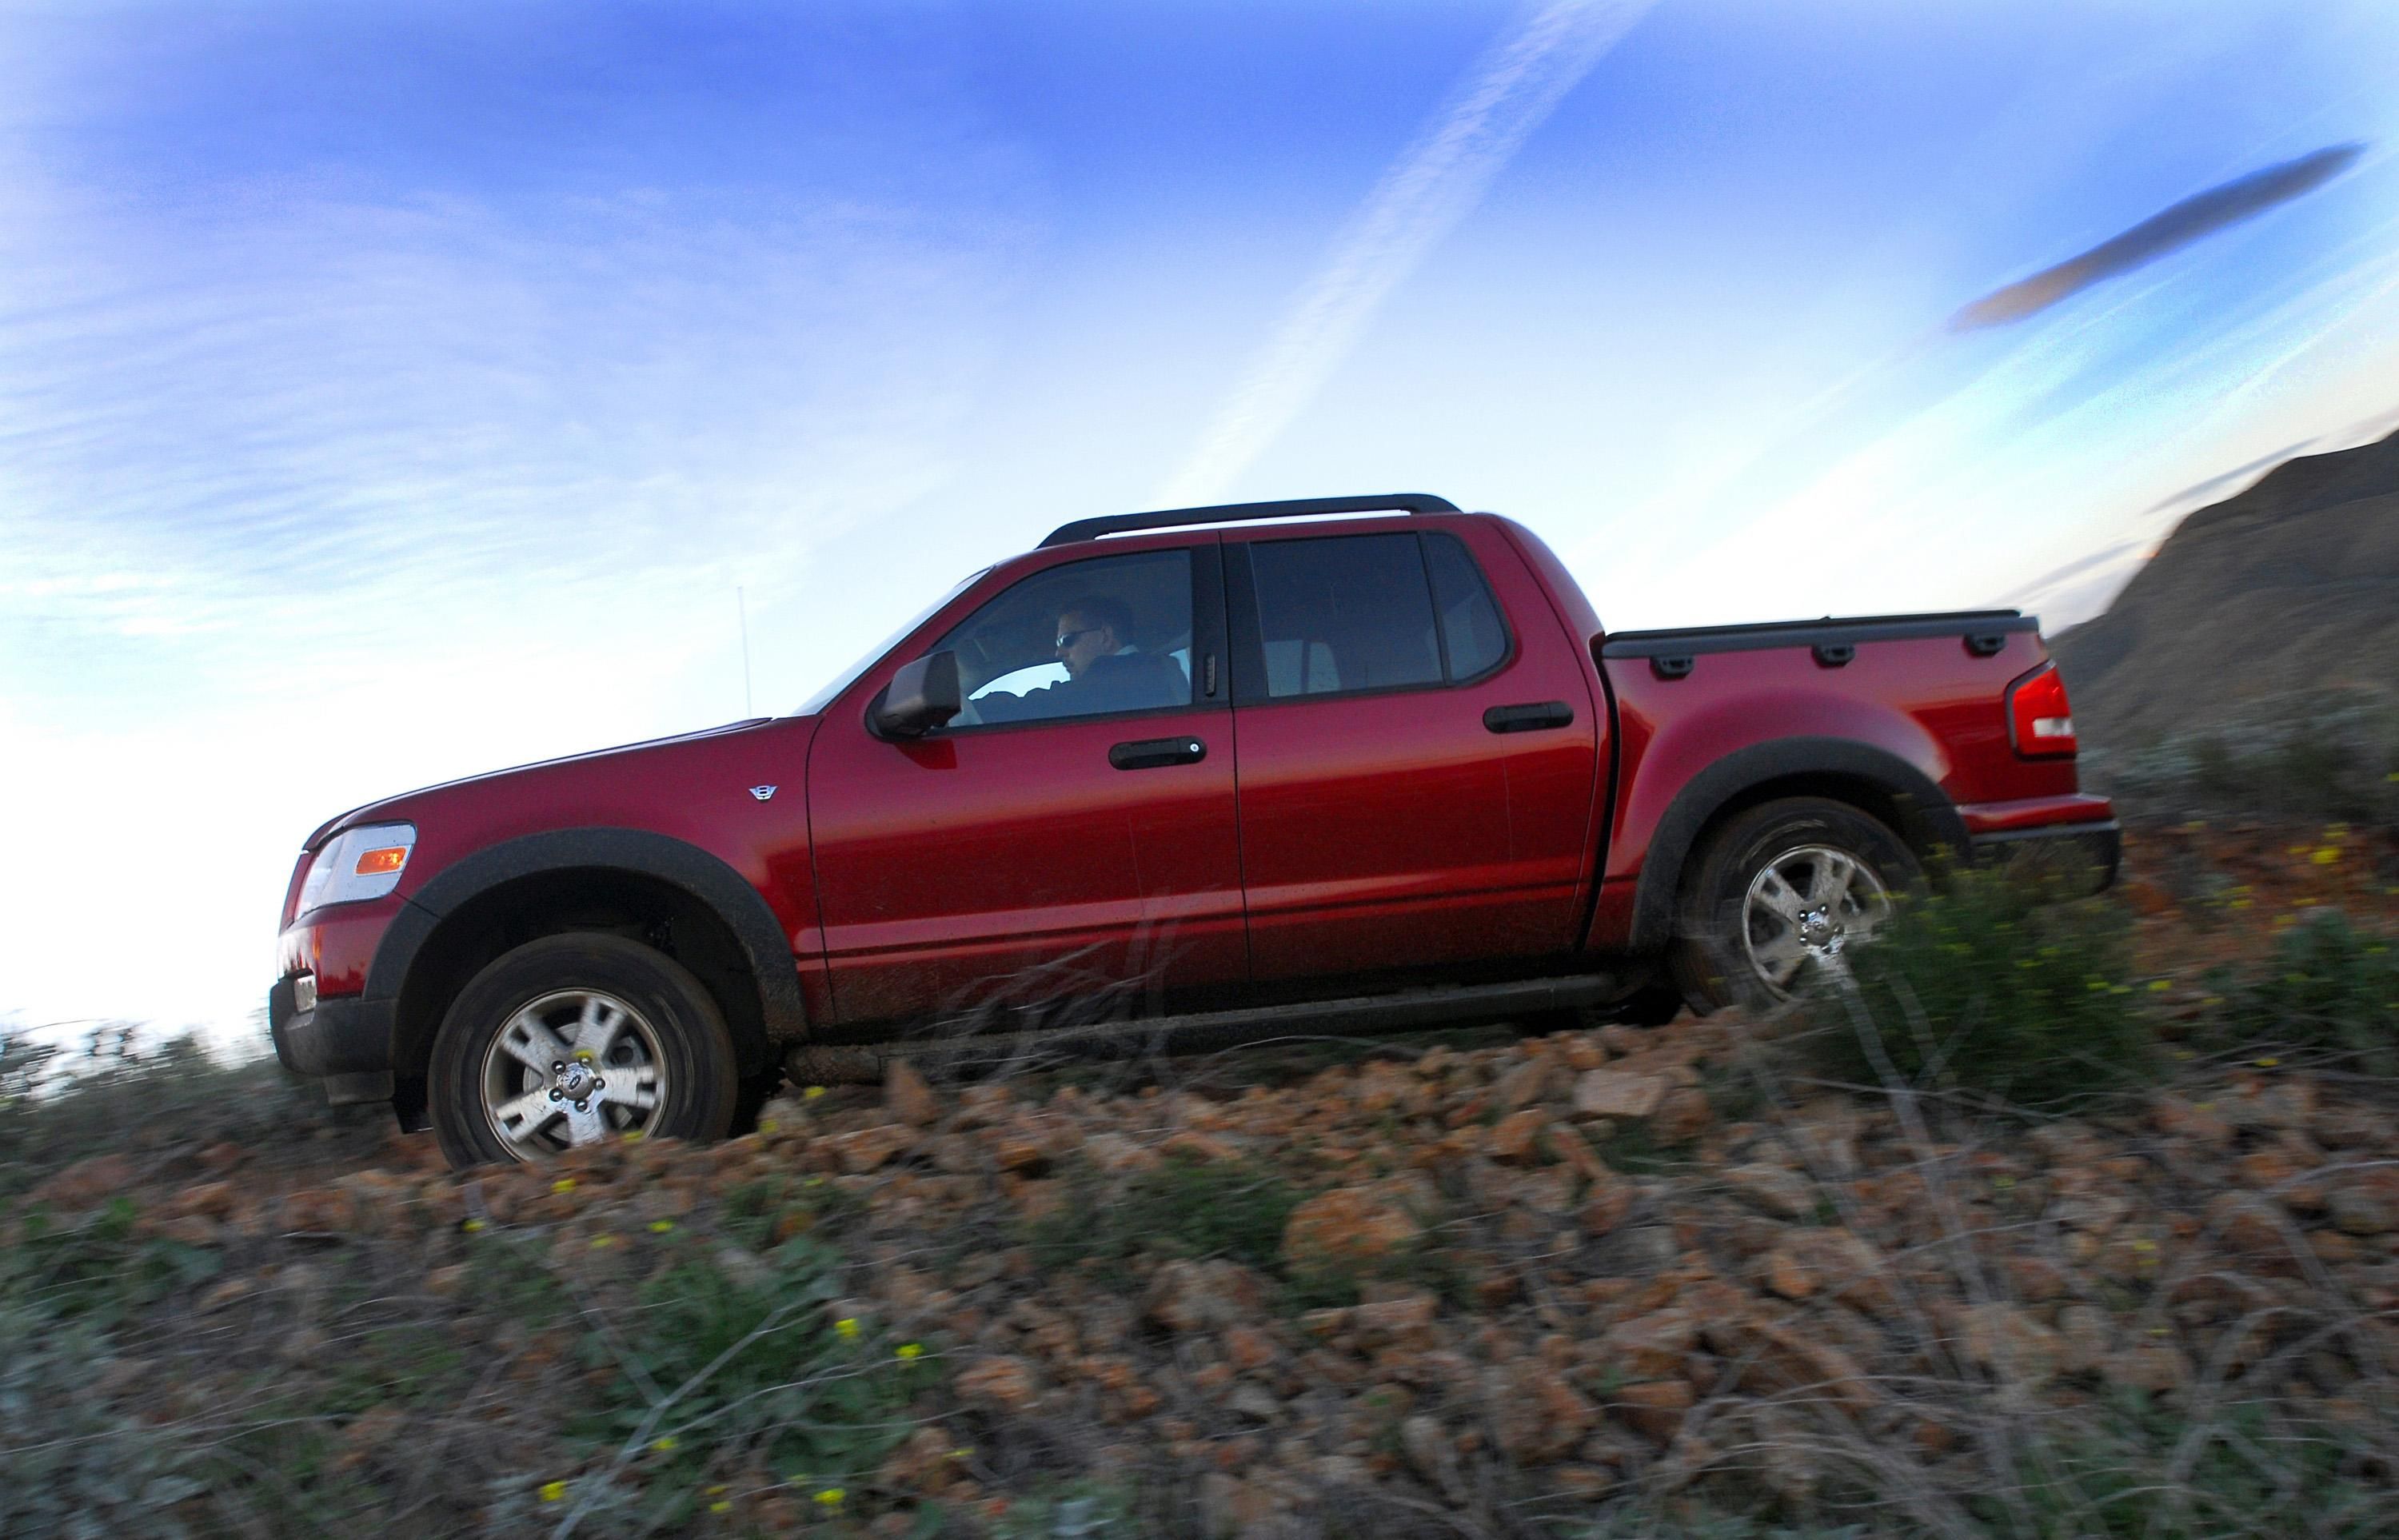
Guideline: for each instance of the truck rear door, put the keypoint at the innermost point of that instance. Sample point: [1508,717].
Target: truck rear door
[1418,750]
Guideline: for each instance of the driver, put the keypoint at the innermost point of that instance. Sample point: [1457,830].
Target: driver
[1104,671]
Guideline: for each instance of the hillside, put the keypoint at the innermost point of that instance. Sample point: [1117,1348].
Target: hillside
[1595,1283]
[2291,586]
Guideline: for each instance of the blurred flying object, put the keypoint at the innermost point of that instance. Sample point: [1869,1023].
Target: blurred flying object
[2200,215]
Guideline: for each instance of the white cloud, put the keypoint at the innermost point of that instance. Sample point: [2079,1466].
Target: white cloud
[1433,184]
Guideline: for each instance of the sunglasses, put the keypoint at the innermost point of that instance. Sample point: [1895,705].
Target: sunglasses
[1068,638]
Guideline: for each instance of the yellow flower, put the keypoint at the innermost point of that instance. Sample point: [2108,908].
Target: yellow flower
[563,1184]
[912,1350]
[765,1125]
[665,1445]
[601,1242]
[813,1092]
[632,1136]
[552,1491]
[847,1327]
[660,1226]
[720,1506]
[2159,986]
[960,1453]
[472,1225]
[830,1497]
[2325,855]
[2268,1063]
[2144,1243]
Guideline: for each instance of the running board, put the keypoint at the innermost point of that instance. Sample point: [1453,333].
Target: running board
[951,1049]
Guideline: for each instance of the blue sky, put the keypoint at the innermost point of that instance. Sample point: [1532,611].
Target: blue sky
[392,392]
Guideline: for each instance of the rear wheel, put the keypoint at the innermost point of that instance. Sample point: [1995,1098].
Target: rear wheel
[572,1040]
[1778,895]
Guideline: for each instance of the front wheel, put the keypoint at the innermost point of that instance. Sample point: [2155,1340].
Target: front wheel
[1779,894]
[575,1039]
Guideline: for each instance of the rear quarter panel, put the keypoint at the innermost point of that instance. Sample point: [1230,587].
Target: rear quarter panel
[1925,700]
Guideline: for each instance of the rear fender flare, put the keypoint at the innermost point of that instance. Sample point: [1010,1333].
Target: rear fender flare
[703,875]
[1929,820]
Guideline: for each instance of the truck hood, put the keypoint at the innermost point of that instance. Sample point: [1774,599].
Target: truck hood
[399,808]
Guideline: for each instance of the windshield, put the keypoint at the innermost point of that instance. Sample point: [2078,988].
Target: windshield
[849,676]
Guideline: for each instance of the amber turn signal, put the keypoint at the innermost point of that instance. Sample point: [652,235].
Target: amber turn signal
[383,861]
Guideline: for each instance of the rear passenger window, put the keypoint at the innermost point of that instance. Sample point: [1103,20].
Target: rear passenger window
[1470,620]
[1347,612]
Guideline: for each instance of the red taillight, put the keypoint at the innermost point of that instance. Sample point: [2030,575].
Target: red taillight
[2040,724]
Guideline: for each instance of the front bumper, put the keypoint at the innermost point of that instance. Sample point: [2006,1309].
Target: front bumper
[2084,857]
[346,1042]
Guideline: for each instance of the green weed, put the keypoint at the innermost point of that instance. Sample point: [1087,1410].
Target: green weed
[1183,1207]
[2328,989]
[1985,987]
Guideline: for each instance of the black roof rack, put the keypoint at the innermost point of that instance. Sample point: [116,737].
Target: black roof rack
[1228,513]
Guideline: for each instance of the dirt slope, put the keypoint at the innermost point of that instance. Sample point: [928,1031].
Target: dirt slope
[1596,1282]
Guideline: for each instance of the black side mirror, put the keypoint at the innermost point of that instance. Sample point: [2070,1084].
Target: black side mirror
[920,697]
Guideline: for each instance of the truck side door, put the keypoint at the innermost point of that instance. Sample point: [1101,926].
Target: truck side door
[1066,836]
[1418,751]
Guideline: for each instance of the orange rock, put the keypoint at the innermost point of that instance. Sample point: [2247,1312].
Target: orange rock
[1527,1082]
[1003,1382]
[1249,1348]
[1614,1093]
[322,1210]
[2279,1174]
[88,1182]
[1195,1296]
[215,1199]
[1683,1115]
[864,1149]
[1405,1318]
[1654,1408]
[1349,1226]
[1652,1346]
[1787,1275]
[1516,1139]
[910,1100]
[1536,1415]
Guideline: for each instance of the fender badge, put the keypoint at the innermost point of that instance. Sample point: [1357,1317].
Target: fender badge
[763,793]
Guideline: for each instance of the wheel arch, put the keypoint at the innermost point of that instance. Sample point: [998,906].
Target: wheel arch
[629,881]
[1872,780]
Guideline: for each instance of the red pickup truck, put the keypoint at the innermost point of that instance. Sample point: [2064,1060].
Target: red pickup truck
[1362,761]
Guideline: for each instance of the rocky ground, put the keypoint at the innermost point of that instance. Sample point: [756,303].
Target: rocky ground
[1597,1281]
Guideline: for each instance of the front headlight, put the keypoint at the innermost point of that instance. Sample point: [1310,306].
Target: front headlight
[358,863]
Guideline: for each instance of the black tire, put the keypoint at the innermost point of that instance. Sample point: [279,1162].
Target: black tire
[1710,954]
[671,1044]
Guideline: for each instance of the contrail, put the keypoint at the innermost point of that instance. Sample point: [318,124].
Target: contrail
[2193,219]
[1420,199]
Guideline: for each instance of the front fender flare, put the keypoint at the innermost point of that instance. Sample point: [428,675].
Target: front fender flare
[773,971]
[1928,819]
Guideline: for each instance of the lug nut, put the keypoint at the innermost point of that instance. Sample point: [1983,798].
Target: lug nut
[558,1068]
[599,1085]
[556,1095]
[583,1106]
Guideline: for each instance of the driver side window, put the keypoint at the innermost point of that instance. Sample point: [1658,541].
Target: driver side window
[1108,635]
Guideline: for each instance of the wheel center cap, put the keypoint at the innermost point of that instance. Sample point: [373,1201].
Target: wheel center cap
[575,1081]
